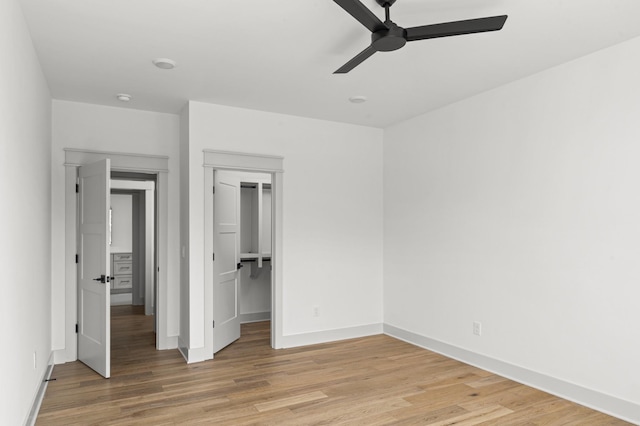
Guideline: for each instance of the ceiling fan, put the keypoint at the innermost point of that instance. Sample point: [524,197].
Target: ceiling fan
[387,36]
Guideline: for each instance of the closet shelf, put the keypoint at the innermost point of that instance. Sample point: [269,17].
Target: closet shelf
[254,256]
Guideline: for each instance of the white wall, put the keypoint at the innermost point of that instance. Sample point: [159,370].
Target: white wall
[121,223]
[25,217]
[93,127]
[520,208]
[332,230]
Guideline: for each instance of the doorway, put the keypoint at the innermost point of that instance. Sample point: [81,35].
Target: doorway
[242,247]
[216,161]
[134,167]
[132,241]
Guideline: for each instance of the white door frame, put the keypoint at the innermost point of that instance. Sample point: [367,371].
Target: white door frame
[149,240]
[137,163]
[244,162]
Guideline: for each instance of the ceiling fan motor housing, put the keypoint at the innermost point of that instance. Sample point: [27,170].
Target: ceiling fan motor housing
[389,39]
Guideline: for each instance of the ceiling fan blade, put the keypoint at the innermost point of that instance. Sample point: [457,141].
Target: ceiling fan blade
[357,60]
[362,14]
[469,26]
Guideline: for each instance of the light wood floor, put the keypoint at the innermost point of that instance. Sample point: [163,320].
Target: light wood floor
[369,381]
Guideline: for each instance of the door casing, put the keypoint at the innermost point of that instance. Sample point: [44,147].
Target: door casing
[145,237]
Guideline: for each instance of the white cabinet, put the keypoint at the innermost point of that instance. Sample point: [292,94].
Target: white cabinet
[121,272]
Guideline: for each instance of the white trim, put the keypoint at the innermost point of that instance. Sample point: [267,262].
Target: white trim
[59,356]
[194,355]
[37,402]
[121,299]
[277,268]
[608,404]
[145,185]
[149,241]
[163,340]
[255,317]
[150,253]
[182,348]
[313,338]
[226,160]
[238,161]
[119,161]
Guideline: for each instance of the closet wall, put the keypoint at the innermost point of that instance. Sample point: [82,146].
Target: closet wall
[121,222]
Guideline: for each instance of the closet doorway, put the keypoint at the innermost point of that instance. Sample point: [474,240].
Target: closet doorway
[242,247]
[229,266]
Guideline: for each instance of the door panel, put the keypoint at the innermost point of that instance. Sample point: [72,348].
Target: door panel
[226,239]
[94,327]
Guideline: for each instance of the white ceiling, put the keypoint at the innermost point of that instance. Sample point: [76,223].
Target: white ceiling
[280,55]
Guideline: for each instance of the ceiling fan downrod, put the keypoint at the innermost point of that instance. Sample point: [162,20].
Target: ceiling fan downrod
[387,5]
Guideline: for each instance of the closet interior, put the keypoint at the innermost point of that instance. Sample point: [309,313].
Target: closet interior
[255,248]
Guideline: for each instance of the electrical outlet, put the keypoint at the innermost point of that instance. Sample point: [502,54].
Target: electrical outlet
[477,328]
[316,311]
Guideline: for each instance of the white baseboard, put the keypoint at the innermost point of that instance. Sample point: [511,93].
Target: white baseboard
[625,410]
[303,339]
[169,342]
[60,356]
[183,349]
[255,317]
[192,355]
[35,406]
[121,299]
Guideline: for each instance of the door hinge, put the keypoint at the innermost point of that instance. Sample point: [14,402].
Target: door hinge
[77,258]
[214,189]
[77,188]
[214,256]
[76,328]
[214,324]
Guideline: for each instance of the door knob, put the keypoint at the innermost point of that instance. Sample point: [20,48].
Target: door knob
[102,278]
[239,266]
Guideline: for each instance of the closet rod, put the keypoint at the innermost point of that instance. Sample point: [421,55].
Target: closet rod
[254,185]
[264,259]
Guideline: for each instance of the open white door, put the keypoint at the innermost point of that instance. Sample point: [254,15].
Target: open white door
[226,239]
[94,327]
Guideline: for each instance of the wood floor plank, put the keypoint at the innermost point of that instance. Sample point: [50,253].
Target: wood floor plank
[375,380]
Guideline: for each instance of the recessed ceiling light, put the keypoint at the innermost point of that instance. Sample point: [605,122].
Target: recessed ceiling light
[164,63]
[123,97]
[357,99]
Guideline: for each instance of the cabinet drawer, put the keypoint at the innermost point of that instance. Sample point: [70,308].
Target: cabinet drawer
[122,256]
[122,282]
[122,267]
